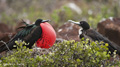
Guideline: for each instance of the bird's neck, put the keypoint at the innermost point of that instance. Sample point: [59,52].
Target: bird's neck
[37,23]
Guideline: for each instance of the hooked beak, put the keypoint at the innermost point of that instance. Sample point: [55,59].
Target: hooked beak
[45,20]
[74,22]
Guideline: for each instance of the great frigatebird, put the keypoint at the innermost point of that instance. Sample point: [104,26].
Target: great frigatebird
[29,33]
[86,32]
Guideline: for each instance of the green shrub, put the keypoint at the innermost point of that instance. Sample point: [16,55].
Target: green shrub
[83,53]
[66,54]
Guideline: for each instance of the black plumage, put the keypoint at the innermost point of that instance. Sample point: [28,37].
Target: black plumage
[30,34]
[93,35]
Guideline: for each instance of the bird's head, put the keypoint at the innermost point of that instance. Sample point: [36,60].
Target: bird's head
[83,24]
[38,21]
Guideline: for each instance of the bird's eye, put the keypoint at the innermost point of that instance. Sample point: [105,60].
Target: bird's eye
[81,22]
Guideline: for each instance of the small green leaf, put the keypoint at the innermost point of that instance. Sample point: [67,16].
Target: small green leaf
[78,60]
[106,44]
[14,45]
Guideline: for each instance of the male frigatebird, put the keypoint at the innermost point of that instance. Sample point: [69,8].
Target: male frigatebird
[86,32]
[30,34]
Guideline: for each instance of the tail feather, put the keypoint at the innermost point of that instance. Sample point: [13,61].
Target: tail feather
[3,48]
[7,46]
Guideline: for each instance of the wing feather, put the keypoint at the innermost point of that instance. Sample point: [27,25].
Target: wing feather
[94,35]
[20,35]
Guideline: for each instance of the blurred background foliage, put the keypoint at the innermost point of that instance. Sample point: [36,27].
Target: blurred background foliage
[58,11]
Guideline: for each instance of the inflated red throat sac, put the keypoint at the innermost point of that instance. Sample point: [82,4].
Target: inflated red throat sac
[48,37]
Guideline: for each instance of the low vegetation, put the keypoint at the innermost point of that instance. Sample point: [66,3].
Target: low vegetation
[68,53]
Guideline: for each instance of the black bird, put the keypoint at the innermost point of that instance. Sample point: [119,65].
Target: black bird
[86,32]
[29,33]
[84,26]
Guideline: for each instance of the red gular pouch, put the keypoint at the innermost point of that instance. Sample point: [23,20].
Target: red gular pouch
[48,36]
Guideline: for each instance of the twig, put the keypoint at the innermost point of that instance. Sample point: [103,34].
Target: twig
[6,45]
